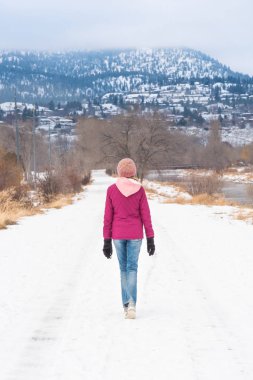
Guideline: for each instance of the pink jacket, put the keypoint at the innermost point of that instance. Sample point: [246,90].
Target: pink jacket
[126,211]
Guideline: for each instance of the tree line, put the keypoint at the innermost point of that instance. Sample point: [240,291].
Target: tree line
[100,144]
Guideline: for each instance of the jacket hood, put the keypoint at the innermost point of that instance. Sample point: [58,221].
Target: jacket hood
[127,186]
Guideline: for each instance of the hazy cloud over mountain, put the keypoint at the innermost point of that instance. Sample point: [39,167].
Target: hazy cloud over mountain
[222,29]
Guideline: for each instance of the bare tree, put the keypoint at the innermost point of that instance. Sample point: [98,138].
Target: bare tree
[217,155]
[118,138]
[151,144]
[143,139]
[148,140]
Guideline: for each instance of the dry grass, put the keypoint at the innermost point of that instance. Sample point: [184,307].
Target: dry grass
[245,215]
[179,200]
[13,205]
[241,212]
[11,215]
[211,200]
[149,190]
[230,171]
[199,199]
[11,210]
[60,201]
[17,202]
[202,199]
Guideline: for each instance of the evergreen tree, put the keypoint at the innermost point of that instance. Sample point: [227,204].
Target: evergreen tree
[27,113]
[217,93]
[51,105]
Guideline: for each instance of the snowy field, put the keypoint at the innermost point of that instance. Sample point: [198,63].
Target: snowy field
[60,306]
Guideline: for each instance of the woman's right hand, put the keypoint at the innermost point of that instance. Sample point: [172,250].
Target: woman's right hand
[150,246]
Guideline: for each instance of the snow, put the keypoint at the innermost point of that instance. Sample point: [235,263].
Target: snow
[10,106]
[167,191]
[60,307]
[234,135]
[239,177]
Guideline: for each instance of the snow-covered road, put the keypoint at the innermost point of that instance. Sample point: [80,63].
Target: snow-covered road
[60,306]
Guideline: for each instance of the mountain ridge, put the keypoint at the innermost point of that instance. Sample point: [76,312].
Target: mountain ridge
[40,76]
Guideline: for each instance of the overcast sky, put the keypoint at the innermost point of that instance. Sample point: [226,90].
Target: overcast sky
[221,28]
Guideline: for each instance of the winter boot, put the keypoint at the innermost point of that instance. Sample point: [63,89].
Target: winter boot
[131,312]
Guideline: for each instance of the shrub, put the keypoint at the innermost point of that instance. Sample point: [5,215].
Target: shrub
[209,184]
[49,185]
[22,195]
[10,172]
[14,203]
[15,197]
[63,182]
[86,179]
[72,182]
[109,171]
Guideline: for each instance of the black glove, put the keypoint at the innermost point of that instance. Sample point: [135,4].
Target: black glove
[107,248]
[150,246]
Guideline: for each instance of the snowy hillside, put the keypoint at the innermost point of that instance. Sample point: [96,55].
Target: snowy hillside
[60,305]
[62,76]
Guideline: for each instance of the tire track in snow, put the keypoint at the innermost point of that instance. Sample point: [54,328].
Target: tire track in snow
[39,357]
[223,339]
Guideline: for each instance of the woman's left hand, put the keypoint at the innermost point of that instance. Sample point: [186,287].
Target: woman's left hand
[107,249]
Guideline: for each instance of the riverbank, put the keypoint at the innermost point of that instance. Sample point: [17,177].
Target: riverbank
[175,193]
[234,174]
[236,183]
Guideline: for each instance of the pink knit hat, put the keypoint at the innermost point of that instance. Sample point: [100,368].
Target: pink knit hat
[126,168]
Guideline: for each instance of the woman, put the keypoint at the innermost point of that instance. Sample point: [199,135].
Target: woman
[126,211]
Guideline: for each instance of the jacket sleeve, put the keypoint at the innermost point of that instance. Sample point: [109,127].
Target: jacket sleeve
[108,217]
[145,215]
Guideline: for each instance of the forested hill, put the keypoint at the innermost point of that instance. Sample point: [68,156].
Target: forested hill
[40,76]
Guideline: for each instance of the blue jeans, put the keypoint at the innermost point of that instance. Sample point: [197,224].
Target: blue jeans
[128,255]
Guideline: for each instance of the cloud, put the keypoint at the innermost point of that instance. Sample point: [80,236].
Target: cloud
[222,28]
